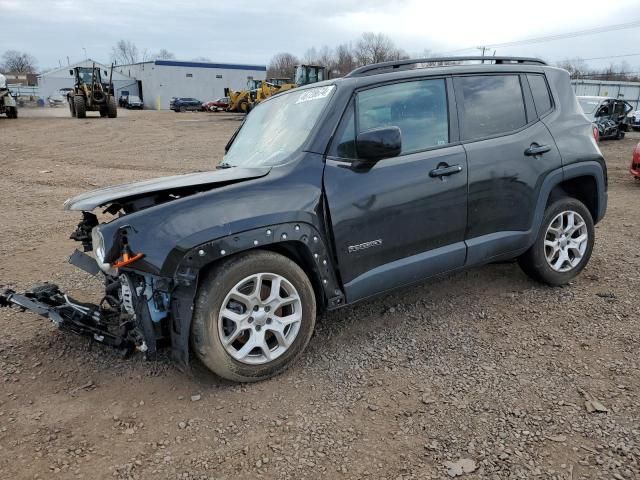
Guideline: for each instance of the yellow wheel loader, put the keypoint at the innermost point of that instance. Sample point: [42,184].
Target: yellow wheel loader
[258,90]
[90,94]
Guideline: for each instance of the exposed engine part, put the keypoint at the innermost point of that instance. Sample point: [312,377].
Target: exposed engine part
[102,324]
[83,230]
[126,295]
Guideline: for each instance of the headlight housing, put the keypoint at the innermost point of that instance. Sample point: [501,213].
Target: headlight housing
[97,241]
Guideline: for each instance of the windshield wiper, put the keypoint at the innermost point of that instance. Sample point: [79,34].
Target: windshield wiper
[224,165]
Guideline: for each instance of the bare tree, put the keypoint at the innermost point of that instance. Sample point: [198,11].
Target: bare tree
[164,54]
[201,59]
[282,65]
[575,66]
[125,52]
[344,61]
[375,48]
[19,62]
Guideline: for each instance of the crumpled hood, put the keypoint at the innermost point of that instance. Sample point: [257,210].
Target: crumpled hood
[195,182]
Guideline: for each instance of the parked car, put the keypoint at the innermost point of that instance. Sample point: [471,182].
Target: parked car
[133,101]
[56,100]
[216,105]
[635,120]
[335,192]
[609,115]
[635,162]
[187,103]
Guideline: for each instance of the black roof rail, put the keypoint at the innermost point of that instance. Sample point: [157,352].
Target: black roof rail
[398,64]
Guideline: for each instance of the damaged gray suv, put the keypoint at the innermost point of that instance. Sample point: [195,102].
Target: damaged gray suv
[333,193]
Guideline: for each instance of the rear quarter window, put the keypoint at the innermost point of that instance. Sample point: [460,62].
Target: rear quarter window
[490,105]
[540,92]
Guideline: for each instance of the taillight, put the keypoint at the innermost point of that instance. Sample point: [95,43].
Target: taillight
[596,133]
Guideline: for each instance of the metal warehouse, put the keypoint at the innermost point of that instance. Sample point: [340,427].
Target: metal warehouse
[160,80]
[629,91]
[51,82]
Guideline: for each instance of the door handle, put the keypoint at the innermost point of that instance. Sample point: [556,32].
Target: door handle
[536,149]
[445,170]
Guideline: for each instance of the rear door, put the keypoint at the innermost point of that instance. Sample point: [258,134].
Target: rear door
[404,218]
[509,152]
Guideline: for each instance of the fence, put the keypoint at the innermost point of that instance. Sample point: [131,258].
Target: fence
[629,91]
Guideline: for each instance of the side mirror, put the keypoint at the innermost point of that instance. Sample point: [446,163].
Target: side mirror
[70,72]
[379,143]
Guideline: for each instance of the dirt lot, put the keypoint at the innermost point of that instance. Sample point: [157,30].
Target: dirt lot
[484,365]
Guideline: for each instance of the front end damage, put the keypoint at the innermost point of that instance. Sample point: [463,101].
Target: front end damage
[148,300]
[130,316]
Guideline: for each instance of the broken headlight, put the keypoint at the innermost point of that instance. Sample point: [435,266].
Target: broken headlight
[98,249]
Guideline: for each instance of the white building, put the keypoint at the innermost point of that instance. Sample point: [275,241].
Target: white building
[160,80]
[51,82]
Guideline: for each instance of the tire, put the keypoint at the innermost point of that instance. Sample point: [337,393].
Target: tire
[620,135]
[103,112]
[72,108]
[243,106]
[12,112]
[183,109]
[112,107]
[80,106]
[535,261]
[209,326]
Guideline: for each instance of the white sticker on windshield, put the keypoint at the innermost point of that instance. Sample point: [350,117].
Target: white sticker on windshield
[314,94]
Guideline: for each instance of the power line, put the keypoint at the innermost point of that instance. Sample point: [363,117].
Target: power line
[609,56]
[559,36]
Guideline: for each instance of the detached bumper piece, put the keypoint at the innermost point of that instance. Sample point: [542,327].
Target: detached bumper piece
[101,324]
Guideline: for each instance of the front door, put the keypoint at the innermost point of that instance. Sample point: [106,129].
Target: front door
[404,218]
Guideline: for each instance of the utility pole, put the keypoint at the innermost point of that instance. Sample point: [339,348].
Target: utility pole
[483,50]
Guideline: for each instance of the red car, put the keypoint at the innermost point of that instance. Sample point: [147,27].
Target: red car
[214,106]
[635,162]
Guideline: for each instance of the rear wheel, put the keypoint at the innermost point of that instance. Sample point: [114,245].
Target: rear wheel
[80,106]
[183,109]
[564,243]
[112,107]
[254,315]
[12,112]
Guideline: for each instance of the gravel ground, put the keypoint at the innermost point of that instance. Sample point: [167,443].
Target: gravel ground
[483,374]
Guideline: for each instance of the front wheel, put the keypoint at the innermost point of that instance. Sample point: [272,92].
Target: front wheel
[254,315]
[80,106]
[112,107]
[564,243]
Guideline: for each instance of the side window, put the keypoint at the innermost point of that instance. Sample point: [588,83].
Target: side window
[418,108]
[345,143]
[540,92]
[490,105]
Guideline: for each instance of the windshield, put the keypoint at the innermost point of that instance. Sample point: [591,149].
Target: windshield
[86,75]
[277,128]
[588,105]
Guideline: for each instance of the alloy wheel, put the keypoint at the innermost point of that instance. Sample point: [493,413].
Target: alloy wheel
[260,318]
[566,241]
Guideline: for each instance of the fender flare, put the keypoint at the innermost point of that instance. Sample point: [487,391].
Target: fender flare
[300,233]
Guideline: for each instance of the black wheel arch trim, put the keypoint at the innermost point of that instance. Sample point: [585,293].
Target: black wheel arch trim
[301,234]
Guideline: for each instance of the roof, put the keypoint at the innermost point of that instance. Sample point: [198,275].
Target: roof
[193,64]
[84,63]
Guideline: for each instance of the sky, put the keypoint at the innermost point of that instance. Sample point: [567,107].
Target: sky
[244,31]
